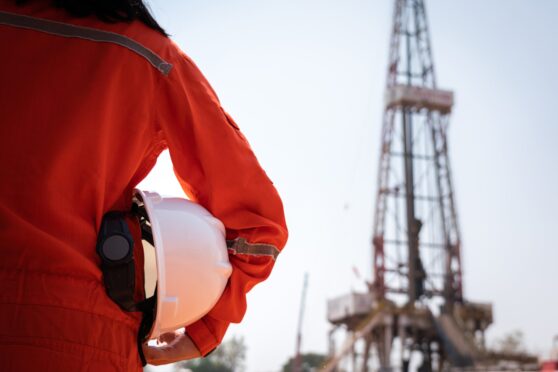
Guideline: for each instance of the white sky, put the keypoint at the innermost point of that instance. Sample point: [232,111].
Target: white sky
[304,80]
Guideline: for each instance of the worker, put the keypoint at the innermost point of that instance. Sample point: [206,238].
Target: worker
[91,92]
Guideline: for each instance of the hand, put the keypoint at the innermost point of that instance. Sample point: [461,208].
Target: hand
[177,347]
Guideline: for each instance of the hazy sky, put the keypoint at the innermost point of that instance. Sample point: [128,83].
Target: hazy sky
[304,80]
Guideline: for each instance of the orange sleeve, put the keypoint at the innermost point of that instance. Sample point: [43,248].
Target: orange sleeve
[217,168]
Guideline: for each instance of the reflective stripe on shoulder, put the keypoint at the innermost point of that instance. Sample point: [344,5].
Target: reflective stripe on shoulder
[241,246]
[87,33]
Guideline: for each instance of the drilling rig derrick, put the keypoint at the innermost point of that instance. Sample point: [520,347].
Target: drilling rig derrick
[416,296]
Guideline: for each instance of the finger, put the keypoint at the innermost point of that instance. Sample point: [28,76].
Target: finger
[157,355]
[182,348]
[164,355]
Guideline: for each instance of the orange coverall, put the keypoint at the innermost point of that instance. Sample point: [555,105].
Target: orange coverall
[85,109]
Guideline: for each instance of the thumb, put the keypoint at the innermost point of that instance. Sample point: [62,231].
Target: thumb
[167,338]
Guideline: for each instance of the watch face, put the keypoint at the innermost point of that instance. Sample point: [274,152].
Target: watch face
[115,248]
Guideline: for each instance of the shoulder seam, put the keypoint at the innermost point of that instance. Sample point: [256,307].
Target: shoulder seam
[87,33]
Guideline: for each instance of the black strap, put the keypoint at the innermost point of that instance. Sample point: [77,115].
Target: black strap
[120,285]
[147,307]
[118,276]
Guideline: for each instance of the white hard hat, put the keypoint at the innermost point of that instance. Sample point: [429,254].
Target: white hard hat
[192,260]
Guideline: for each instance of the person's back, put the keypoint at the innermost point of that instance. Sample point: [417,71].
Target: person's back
[74,137]
[85,110]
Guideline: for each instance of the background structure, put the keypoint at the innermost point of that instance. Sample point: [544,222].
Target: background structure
[305,81]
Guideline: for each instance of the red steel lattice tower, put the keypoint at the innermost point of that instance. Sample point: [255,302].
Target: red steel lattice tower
[416,299]
[416,236]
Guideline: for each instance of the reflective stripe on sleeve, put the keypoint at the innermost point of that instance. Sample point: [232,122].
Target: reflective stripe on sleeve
[87,33]
[241,246]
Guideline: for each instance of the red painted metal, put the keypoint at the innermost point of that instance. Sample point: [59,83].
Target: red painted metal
[416,234]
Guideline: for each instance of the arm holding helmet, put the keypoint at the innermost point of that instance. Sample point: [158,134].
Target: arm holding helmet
[217,168]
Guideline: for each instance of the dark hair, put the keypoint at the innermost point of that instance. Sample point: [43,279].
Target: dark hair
[109,11]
